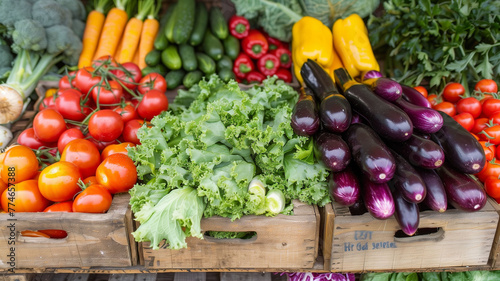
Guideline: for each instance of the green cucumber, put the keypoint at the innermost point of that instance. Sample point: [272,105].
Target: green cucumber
[224,62]
[160,69]
[188,57]
[153,58]
[161,41]
[170,58]
[181,23]
[205,63]
[200,24]
[192,78]
[232,47]
[174,78]
[212,46]
[226,74]
[218,23]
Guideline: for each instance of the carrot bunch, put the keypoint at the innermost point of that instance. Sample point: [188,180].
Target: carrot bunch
[115,35]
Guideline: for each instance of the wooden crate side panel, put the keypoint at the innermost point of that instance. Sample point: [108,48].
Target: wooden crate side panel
[362,243]
[495,249]
[281,242]
[93,239]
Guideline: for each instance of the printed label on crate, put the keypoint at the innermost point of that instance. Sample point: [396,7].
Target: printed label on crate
[365,243]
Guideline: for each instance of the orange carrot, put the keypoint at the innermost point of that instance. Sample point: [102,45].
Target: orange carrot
[118,49]
[112,31]
[148,35]
[93,28]
[136,58]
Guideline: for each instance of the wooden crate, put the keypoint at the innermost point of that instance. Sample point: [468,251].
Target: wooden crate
[281,242]
[495,251]
[363,243]
[92,240]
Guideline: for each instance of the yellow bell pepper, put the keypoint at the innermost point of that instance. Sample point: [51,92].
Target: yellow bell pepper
[311,39]
[350,39]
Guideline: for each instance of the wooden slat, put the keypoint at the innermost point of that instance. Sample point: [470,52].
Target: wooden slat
[70,277]
[190,276]
[133,277]
[245,276]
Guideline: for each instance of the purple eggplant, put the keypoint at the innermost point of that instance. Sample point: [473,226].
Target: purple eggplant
[370,74]
[436,195]
[462,150]
[356,118]
[334,109]
[408,181]
[333,151]
[463,191]
[420,152]
[414,96]
[378,199]
[358,208]
[406,213]
[424,119]
[370,153]
[344,187]
[305,119]
[389,121]
[386,88]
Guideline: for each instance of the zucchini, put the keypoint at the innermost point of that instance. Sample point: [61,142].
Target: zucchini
[170,58]
[232,47]
[160,69]
[153,58]
[161,41]
[212,46]
[218,23]
[205,63]
[192,78]
[226,74]
[224,62]
[181,23]
[200,24]
[188,57]
[174,78]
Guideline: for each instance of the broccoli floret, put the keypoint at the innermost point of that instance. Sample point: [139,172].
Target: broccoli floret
[6,57]
[14,10]
[30,35]
[76,8]
[61,38]
[78,28]
[50,13]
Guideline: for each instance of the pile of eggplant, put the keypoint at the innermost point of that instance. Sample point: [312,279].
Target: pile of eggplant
[386,148]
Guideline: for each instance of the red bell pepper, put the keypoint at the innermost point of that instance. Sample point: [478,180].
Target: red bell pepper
[255,44]
[284,74]
[255,77]
[284,55]
[272,42]
[243,64]
[239,26]
[268,64]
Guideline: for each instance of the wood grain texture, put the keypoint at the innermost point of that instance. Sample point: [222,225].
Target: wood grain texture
[245,276]
[281,242]
[93,239]
[363,243]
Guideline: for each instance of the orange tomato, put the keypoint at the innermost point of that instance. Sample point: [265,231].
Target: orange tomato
[23,197]
[421,90]
[90,181]
[66,206]
[19,164]
[59,181]
[116,148]
[84,154]
[94,199]
[117,173]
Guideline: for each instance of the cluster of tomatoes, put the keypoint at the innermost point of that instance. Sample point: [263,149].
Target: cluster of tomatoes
[478,113]
[74,157]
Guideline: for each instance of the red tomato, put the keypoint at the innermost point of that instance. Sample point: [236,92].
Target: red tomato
[104,62]
[479,125]
[491,106]
[130,131]
[495,118]
[492,187]
[84,154]
[433,99]
[24,197]
[453,92]
[48,125]
[67,81]
[491,169]
[85,80]
[466,120]
[67,136]
[491,134]
[54,233]
[66,206]
[106,94]
[69,104]
[28,138]
[116,148]
[117,173]
[48,102]
[489,150]
[152,81]
[105,125]
[90,181]
[130,76]
[486,86]
[127,112]
[152,104]
[93,199]
[470,105]
[59,181]
[422,90]
[19,164]
[446,107]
